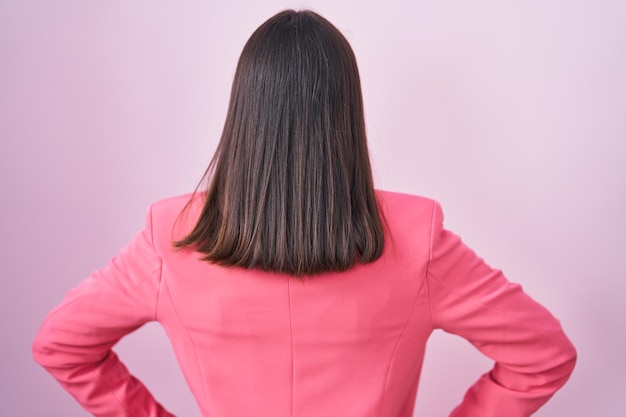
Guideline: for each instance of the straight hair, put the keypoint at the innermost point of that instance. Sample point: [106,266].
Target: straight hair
[290,186]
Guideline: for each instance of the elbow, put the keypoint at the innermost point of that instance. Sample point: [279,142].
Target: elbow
[45,347]
[569,354]
[570,358]
[40,349]
[565,362]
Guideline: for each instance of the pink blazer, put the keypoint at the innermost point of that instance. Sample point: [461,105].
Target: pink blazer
[341,344]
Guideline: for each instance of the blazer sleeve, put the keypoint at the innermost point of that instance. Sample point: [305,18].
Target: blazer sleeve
[75,340]
[533,356]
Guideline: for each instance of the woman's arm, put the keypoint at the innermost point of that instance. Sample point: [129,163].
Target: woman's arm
[75,340]
[533,356]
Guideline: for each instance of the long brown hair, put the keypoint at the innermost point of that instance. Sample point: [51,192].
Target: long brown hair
[290,186]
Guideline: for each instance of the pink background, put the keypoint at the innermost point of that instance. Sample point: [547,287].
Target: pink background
[512,116]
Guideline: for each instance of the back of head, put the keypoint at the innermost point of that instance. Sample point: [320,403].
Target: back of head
[290,186]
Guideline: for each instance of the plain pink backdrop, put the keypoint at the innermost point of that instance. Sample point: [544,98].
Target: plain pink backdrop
[512,116]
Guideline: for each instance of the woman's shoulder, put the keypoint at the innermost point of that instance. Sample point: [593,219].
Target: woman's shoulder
[398,201]
[401,196]
[176,202]
[173,217]
[406,214]
[410,222]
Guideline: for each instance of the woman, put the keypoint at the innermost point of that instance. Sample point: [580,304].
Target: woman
[290,287]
